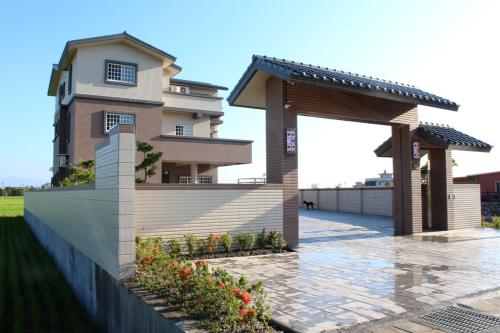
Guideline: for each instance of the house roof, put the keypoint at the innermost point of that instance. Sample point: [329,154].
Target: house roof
[72,45]
[443,136]
[291,70]
[197,84]
[478,174]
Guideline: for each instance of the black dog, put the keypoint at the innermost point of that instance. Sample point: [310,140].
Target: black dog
[308,204]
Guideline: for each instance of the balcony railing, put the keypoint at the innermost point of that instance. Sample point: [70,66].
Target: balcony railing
[180,101]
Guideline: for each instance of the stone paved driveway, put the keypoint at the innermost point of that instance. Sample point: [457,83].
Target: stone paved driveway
[349,269]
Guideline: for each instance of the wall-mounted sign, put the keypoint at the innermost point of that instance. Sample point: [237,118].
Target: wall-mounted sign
[291,140]
[416,150]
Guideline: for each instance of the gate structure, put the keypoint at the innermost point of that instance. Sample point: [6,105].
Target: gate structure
[287,89]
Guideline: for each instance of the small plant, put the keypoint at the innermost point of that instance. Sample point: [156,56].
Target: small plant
[83,173]
[239,239]
[496,222]
[191,241]
[272,239]
[212,242]
[138,239]
[261,239]
[281,242]
[249,240]
[202,246]
[226,242]
[175,247]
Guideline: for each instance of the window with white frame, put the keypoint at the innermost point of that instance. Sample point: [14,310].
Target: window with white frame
[119,72]
[204,180]
[184,130]
[184,180]
[201,180]
[113,119]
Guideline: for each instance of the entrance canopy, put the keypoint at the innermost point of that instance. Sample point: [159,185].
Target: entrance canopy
[250,90]
[435,136]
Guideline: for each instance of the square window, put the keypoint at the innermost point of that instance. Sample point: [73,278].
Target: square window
[112,119]
[121,73]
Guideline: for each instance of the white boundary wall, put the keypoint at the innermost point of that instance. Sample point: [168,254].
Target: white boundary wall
[173,211]
[466,199]
[97,220]
[374,201]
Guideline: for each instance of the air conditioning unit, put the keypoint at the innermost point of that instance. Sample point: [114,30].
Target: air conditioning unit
[180,89]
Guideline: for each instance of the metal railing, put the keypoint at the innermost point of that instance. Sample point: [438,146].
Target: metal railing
[251,180]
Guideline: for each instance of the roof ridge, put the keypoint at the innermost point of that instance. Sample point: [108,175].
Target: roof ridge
[336,71]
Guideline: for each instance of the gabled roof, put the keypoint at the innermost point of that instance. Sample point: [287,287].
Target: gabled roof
[197,84]
[443,136]
[290,70]
[72,45]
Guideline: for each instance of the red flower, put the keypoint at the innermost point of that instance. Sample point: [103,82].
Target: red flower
[251,312]
[222,284]
[237,291]
[245,297]
[185,272]
[243,312]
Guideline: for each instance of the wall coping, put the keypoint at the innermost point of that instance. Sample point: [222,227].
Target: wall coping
[370,188]
[167,187]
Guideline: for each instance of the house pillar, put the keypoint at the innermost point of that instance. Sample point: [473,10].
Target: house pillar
[194,173]
[441,183]
[407,183]
[281,167]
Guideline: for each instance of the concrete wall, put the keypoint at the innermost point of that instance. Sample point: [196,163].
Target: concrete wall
[186,101]
[201,126]
[98,220]
[375,201]
[466,203]
[88,71]
[171,211]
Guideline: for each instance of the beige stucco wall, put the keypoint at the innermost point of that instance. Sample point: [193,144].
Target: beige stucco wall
[172,213]
[89,69]
[186,101]
[97,220]
[374,201]
[201,126]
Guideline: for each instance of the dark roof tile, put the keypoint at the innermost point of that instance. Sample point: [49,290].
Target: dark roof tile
[197,84]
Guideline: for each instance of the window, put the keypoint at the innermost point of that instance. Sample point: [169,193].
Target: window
[184,180]
[70,79]
[201,180]
[62,91]
[184,130]
[112,119]
[204,180]
[120,72]
[498,187]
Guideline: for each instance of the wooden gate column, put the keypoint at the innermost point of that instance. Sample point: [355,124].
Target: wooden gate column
[441,183]
[282,165]
[407,183]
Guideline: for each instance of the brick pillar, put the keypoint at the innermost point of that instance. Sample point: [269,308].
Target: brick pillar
[407,183]
[281,167]
[441,183]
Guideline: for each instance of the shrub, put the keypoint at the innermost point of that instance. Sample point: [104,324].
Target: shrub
[239,239]
[191,241]
[249,240]
[261,239]
[212,243]
[175,247]
[202,246]
[222,302]
[280,242]
[272,239]
[496,222]
[226,242]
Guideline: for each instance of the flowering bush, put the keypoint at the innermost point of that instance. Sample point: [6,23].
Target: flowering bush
[226,242]
[221,302]
[191,241]
[212,242]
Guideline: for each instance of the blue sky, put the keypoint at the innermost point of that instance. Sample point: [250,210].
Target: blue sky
[446,47]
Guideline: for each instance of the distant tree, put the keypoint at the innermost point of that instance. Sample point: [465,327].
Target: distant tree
[148,162]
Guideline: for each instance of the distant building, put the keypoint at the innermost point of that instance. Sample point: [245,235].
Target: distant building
[384,179]
[489,182]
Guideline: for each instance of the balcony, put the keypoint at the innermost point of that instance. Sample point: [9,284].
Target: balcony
[185,102]
[214,151]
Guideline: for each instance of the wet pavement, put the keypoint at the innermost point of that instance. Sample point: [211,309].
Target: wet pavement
[350,269]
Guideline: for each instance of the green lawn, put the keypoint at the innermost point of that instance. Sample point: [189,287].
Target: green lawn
[33,294]
[11,206]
